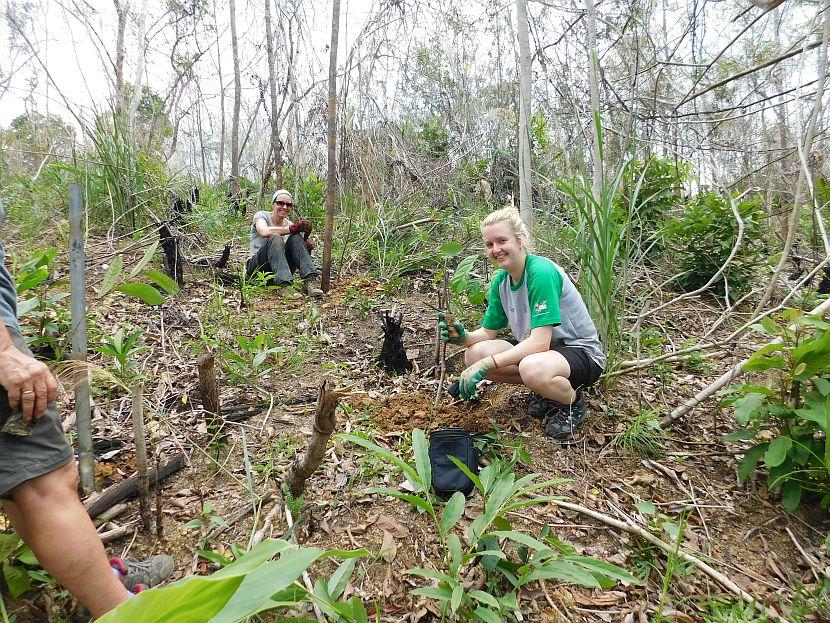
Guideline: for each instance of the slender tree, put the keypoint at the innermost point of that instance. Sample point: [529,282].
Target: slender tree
[237,96]
[331,178]
[276,146]
[525,165]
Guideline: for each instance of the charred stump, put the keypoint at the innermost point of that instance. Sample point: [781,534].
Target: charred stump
[393,354]
[209,391]
[824,284]
[173,262]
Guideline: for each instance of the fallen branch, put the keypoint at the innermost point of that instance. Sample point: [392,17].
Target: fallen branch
[632,528]
[128,489]
[724,379]
[324,421]
[241,513]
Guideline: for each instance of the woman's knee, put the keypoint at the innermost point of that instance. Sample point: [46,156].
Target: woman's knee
[479,351]
[532,369]
[276,242]
[59,483]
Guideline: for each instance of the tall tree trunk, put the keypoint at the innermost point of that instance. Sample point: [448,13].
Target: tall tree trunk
[805,148]
[121,10]
[525,165]
[596,153]
[141,48]
[276,148]
[221,173]
[331,178]
[237,95]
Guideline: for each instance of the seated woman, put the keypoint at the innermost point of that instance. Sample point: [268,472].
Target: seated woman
[556,351]
[278,247]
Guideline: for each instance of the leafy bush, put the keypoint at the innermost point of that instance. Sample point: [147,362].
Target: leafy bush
[702,238]
[788,418]
[251,585]
[42,307]
[511,559]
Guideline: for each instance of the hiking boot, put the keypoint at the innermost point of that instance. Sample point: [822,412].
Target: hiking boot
[561,423]
[540,407]
[142,574]
[311,287]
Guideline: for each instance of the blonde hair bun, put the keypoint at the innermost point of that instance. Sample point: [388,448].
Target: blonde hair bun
[511,216]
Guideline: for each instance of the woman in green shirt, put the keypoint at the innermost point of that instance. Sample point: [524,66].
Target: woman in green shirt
[556,350]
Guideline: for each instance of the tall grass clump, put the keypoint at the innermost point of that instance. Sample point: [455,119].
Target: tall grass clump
[603,245]
[125,181]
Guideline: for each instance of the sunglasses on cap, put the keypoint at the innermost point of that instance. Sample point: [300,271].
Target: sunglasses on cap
[284,203]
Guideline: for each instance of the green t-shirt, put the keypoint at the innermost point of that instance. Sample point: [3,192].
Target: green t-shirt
[544,296]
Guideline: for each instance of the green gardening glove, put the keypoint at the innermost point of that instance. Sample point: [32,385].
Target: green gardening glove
[470,378]
[455,333]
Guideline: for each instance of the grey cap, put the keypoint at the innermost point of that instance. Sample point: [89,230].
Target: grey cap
[281,191]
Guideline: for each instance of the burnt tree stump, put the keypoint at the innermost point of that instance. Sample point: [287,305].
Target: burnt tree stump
[393,354]
[173,262]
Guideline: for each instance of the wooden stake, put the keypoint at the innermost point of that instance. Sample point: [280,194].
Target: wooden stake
[141,456]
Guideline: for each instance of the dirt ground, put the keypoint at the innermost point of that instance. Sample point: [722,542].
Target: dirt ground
[740,529]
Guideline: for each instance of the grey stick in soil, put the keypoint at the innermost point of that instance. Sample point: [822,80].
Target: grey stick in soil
[77,288]
[141,456]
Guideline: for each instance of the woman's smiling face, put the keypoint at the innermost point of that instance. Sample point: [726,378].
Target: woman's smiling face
[503,247]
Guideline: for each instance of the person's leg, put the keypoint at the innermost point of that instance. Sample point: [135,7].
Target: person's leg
[547,374]
[480,350]
[298,256]
[49,516]
[275,248]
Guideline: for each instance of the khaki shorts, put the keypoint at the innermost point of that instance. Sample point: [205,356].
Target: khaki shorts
[44,451]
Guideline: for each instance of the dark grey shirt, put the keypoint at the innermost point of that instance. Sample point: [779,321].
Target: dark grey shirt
[8,293]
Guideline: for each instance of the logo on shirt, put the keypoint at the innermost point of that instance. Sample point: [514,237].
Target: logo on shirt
[540,307]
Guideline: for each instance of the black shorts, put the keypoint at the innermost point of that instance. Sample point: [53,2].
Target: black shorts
[584,370]
[42,452]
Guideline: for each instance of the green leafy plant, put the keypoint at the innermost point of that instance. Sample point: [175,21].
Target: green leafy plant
[145,292]
[123,347]
[642,436]
[19,566]
[787,418]
[41,303]
[511,558]
[701,240]
[254,583]
[464,282]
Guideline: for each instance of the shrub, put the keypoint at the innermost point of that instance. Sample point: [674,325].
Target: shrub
[702,238]
[787,419]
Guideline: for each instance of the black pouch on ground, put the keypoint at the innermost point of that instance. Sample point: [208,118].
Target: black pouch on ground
[447,478]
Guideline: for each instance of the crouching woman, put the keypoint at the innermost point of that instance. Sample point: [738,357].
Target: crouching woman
[556,350]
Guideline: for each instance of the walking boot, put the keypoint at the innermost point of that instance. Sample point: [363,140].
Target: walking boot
[137,575]
[311,288]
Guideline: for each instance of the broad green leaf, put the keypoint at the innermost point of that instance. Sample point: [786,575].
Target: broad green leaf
[777,451]
[166,283]
[111,276]
[32,279]
[646,507]
[391,456]
[485,598]
[148,255]
[791,495]
[455,600]
[767,349]
[143,291]
[256,589]
[467,471]
[452,512]
[746,406]
[488,616]
[8,543]
[407,497]
[340,578]
[454,551]
[742,434]
[27,306]
[16,579]
[421,451]
[451,249]
[606,569]
[822,385]
[565,571]
[520,537]
[435,592]
[750,461]
[764,363]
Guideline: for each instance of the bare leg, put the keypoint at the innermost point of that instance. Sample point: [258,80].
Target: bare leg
[545,373]
[48,514]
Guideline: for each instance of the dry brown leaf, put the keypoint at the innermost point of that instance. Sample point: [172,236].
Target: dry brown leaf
[385,522]
[604,598]
[389,547]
